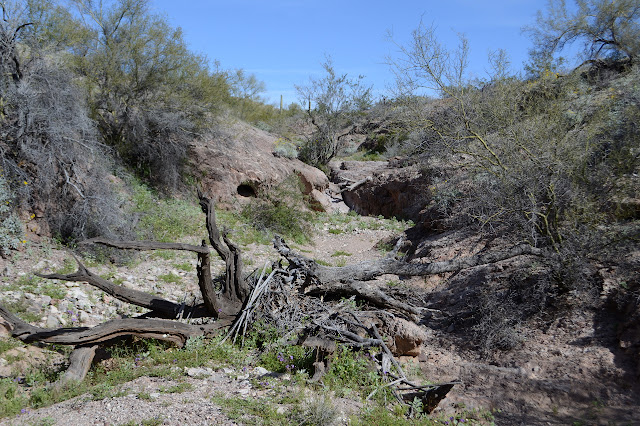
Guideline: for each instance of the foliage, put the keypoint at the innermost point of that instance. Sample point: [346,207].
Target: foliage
[351,372]
[165,219]
[11,232]
[148,92]
[337,100]
[607,29]
[50,155]
[281,210]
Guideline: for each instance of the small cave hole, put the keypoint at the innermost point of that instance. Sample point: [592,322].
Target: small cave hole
[245,190]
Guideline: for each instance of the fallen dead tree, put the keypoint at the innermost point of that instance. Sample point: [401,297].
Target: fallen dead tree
[306,302]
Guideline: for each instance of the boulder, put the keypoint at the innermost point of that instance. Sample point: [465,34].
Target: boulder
[238,163]
[378,188]
[406,337]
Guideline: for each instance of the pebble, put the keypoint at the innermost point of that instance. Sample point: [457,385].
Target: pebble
[198,371]
[261,371]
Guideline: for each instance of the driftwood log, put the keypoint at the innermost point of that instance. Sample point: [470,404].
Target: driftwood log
[291,299]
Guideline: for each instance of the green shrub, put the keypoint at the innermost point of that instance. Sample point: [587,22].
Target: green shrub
[165,220]
[282,210]
[288,359]
[351,371]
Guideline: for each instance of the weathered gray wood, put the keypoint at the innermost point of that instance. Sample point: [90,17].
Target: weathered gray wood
[235,289]
[205,283]
[368,270]
[135,297]
[146,245]
[79,364]
[167,330]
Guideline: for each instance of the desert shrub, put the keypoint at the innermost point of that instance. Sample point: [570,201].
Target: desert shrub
[164,219]
[285,148]
[337,100]
[281,210]
[316,411]
[50,155]
[11,231]
[53,157]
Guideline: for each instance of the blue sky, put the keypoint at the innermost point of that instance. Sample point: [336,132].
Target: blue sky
[284,42]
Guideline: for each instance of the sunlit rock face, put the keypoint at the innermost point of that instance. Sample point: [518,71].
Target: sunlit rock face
[238,163]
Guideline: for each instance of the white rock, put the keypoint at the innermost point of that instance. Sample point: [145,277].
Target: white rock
[261,371]
[198,371]
[52,321]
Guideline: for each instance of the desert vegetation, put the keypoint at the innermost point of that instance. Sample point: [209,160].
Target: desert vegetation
[531,179]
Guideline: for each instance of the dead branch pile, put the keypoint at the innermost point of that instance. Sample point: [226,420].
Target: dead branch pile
[309,304]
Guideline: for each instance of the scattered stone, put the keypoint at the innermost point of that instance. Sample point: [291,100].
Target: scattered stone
[52,321]
[261,371]
[5,329]
[198,371]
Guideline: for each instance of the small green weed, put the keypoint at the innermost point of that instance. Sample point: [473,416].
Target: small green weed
[322,262]
[179,388]
[53,290]
[340,253]
[249,411]
[288,359]
[165,219]
[163,254]
[170,278]
[8,344]
[186,266]
[353,373]
[145,396]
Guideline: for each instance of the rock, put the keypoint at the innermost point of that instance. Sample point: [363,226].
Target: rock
[83,316]
[5,328]
[320,201]
[407,337]
[52,321]
[198,372]
[261,371]
[400,192]
[76,293]
[312,179]
[45,300]
[238,163]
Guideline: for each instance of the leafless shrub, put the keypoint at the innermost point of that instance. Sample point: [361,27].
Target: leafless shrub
[52,155]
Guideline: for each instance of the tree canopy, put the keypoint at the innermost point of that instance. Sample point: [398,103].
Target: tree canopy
[606,28]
